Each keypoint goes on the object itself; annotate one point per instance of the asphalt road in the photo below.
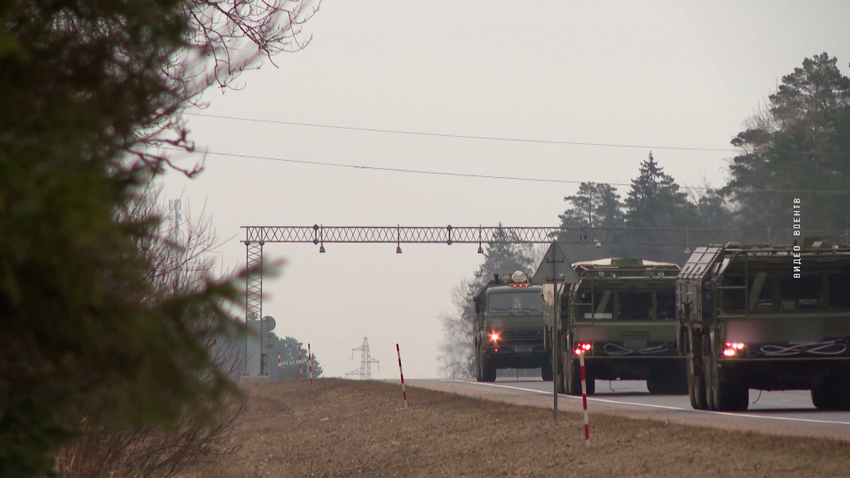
(779, 411)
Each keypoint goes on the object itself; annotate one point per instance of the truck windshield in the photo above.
(635, 305)
(529, 302)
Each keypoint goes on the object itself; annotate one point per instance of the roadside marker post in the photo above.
(310, 359)
(555, 274)
(584, 400)
(300, 365)
(401, 373)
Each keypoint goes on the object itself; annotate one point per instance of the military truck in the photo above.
(621, 316)
(765, 317)
(508, 327)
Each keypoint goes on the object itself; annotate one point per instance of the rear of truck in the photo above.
(621, 316)
(769, 318)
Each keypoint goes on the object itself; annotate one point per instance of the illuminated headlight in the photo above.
(494, 336)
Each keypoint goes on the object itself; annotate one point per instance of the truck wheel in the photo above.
(654, 384)
(728, 394)
(478, 357)
(708, 373)
(559, 385)
(696, 390)
(833, 393)
(546, 371)
(572, 377)
(823, 398)
(488, 370)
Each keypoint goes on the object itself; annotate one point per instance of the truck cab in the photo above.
(508, 327)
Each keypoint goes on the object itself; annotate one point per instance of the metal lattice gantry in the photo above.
(257, 236)
(320, 234)
(402, 234)
(366, 361)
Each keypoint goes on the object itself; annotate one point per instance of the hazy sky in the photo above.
(652, 74)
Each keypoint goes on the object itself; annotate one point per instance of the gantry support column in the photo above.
(254, 306)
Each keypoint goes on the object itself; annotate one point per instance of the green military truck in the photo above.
(621, 316)
(508, 327)
(765, 317)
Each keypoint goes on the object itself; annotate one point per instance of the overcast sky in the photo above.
(651, 74)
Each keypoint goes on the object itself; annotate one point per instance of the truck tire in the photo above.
(572, 379)
(708, 381)
(833, 393)
(725, 394)
(559, 384)
(655, 383)
(546, 371)
(696, 389)
(488, 370)
(823, 397)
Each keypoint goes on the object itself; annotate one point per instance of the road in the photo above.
(782, 412)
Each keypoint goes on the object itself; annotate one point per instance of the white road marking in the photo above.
(649, 405)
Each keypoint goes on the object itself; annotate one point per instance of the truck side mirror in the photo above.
(477, 306)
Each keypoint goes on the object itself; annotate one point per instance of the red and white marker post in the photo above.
(310, 359)
(401, 373)
(584, 399)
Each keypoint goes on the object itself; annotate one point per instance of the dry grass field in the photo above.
(343, 428)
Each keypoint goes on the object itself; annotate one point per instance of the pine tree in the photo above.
(655, 210)
(595, 217)
(800, 141)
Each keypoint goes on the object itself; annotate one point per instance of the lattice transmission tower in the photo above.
(366, 361)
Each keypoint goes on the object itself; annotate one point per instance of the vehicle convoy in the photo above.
(765, 317)
(621, 315)
(508, 327)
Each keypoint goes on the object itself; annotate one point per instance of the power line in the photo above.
(465, 175)
(465, 136)
(499, 138)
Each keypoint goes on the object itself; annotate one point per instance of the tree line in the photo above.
(797, 147)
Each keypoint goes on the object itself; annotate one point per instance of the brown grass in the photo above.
(341, 428)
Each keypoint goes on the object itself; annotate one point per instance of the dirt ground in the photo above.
(342, 428)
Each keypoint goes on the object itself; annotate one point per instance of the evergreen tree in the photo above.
(595, 216)
(655, 208)
(89, 339)
(800, 142)
(502, 255)
(712, 218)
